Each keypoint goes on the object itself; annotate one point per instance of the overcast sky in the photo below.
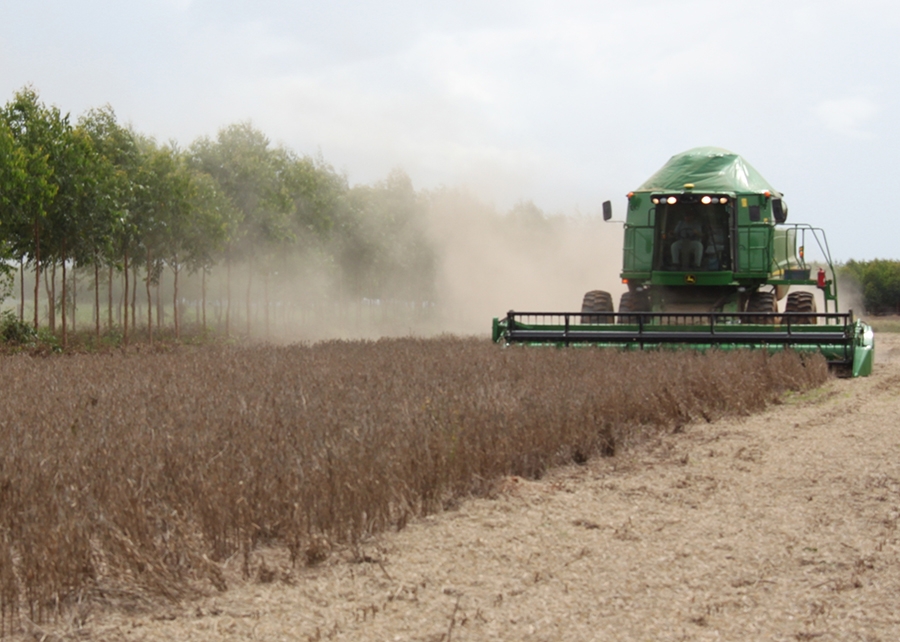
(564, 103)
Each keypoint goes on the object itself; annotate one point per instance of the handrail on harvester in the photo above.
(796, 247)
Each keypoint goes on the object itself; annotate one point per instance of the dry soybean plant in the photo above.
(138, 474)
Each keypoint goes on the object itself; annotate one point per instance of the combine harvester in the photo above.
(707, 256)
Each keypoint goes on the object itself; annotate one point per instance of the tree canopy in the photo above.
(879, 283)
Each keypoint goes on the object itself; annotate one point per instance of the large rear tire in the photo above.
(801, 302)
(596, 301)
(763, 302)
(632, 302)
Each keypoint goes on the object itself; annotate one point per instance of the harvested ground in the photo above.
(780, 526)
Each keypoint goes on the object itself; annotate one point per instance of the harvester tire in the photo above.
(801, 302)
(632, 302)
(597, 301)
(763, 302)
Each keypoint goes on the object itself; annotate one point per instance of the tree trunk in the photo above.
(65, 302)
(50, 286)
(267, 306)
(134, 279)
(160, 313)
(249, 290)
(149, 306)
(37, 271)
(125, 304)
(97, 297)
(74, 298)
(175, 318)
(21, 291)
(227, 296)
(110, 301)
(203, 298)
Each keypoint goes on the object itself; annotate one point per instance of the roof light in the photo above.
(625, 281)
(688, 186)
(706, 200)
(630, 194)
(767, 193)
(671, 200)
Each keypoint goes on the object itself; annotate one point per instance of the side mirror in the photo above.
(779, 211)
(607, 210)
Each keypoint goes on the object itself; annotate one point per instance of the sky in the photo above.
(567, 104)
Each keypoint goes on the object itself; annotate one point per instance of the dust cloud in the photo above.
(480, 264)
(523, 260)
(850, 295)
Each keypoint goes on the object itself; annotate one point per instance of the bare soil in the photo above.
(780, 526)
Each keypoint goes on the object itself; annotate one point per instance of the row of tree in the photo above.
(879, 283)
(95, 194)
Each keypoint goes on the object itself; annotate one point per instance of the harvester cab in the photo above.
(692, 232)
(707, 255)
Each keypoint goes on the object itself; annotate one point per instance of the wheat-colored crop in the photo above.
(137, 474)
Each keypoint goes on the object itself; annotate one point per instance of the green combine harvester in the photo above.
(707, 256)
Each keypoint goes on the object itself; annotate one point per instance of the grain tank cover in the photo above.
(709, 169)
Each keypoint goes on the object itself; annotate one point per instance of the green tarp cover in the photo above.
(710, 169)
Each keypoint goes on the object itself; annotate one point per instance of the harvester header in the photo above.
(707, 256)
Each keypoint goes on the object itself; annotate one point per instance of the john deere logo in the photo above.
(690, 279)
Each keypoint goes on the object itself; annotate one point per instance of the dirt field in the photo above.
(782, 526)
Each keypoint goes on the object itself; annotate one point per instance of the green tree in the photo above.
(160, 215)
(212, 223)
(76, 169)
(251, 174)
(879, 281)
(115, 166)
(315, 195)
(13, 182)
(383, 247)
(37, 131)
(59, 165)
